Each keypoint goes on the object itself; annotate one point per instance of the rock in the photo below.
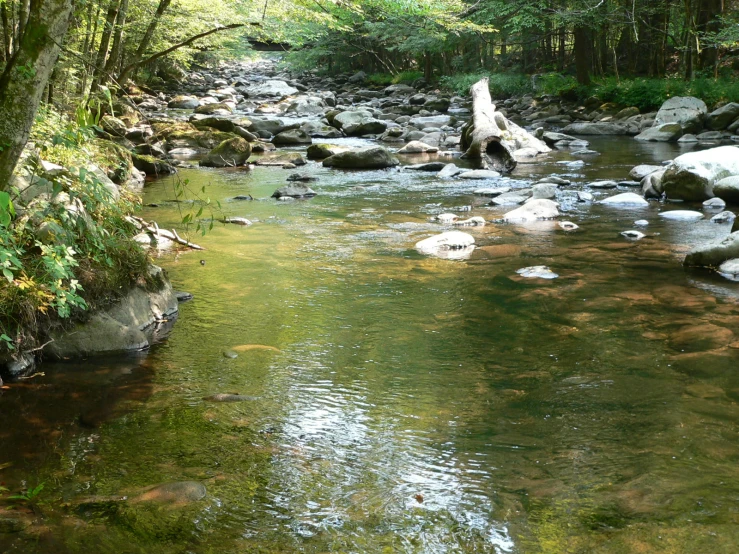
(475, 221)
(359, 123)
(720, 119)
(446, 218)
(633, 235)
(398, 90)
(627, 113)
(509, 199)
(687, 138)
(714, 203)
(724, 217)
(151, 165)
(437, 121)
(714, 254)
(450, 245)
(537, 272)
(710, 136)
(128, 325)
(373, 157)
(113, 125)
(551, 138)
(184, 102)
(479, 174)
(544, 190)
(730, 268)
(230, 397)
(667, 132)
(568, 226)
(641, 222)
(270, 126)
(271, 88)
(693, 175)
(229, 153)
(584, 153)
(583, 196)
(625, 199)
(727, 189)
(294, 190)
(437, 104)
(301, 177)
(651, 185)
(219, 108)
(316, 129)
(291, 137)
(681, 215)
(450, 170)
(307, 105)
(641, 171)
(559, 181)
(687, 111)
(417, 147)
(603, 185)
(217, 122)
(322, 151)
(183, 296)
(492, 192)
(358, 77)
(599, 128)
(281, 159)
(237, 221)
(534, 210)
(430, 166)
(180, 492)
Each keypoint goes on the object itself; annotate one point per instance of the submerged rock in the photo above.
(450, 245)
(230, 397)
(534, 210)
(568, 226)
(537, 272)
(180, 492)
(475, 221)
(479, 174)
(294, 190)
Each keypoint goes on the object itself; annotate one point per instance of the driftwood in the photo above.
(153, 229)
(482, 136)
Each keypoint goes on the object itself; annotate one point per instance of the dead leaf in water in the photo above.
(247, 347)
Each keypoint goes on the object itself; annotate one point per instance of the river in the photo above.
(398, 402)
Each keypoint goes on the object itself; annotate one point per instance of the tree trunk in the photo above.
(115, 52)
(102, 55)
(7, 32)
(21, 89)
(583, 55)
(23, 8)
(145, 41)
(481, 137)
(708, 22)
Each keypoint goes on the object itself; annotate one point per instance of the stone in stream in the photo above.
(730, 268)
(452, 245)
(294, 190)
(544, 190)
(230, 397)
(229, 153)
(681, 215)
(598, 128)
(633, 234)
(714, 204)
(714, 254)
(568, 226)
(583, 196)
(291, 137)
(183, 296)
(537, 272)
(688, 111)
(430, 166)
(641, 171)
(479, 174)
(417, 147)
(603, 185)
(446, 218)
(559, 181)
(584, 153)
(184, 102)
(667, 132)
(509, 199)
(495, 191)
(628, 199)
(724, 217)
(301, 177)
(692, 176)
(534, 210)
(359, 123)
(721, 118)
(280, 159)
(373, 157)
(475, 221)
(271, 88)
(641, 222)
(237, 221)
(449, 170)
(321, 151)
(177, 493)
(728, 189)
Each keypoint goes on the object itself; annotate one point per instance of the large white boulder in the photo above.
(452, 245)
(534, 210)
(692, 175)
(688, 111)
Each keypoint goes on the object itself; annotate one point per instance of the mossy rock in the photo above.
(197, 139)
(114, 159)
(214, 109)
(151, 165)
(162, 129)
(231, 152)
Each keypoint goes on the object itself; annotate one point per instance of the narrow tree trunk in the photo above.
(115, 52)
(583, 55)
(145, 41)
(7, 32)
(23, 8)
(102, 55)
(21, 91)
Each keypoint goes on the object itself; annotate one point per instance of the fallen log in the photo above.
(491, 138)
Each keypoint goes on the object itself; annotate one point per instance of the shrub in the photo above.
(380, 79)
(502, 85)
(407, 77)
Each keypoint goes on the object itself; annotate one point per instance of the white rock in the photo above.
(537, 272)
(641, 223)
(540, 208)
(452, 245)
(724, 217)
(682, 215)
(479, 174)
(625, 199)
(714, 204)
(730, 267)
(633, 235)
(491, 191)
(568, 226)
(417, 147)
(446, 218)
(475, 221)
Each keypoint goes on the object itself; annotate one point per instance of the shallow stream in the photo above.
(407, 403)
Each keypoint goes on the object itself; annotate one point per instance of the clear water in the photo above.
(412, 404)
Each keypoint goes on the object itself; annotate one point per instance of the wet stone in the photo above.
(537, 272)
(181, 492)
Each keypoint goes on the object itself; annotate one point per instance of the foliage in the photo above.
(29, 494)
(650, 94)
(501, 85)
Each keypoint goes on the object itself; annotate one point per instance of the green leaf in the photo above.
(8, 275)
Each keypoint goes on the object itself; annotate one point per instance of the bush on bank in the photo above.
(65, 235)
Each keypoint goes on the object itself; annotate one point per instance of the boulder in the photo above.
(151, 165)
(291, 137)
(666, 132)
(270, 88)
(544, 190)
(681, 215)
(720, 119)
(625, 199)
(714, 254)
(219, 123)
(308, 105)
(453, 245)
(322, 151)
(230, 153)
(479, 174)
(533, 210)
(184, 102)
(219, 108)
(687, 111)
(692, 175)
(373, 157)
(537, 272)
(417, 147)
(359, 123)
(640, 171)
(294, 190)
(598, 128)
(651, 185)
(281, 159)
(728, 189)
(271, 126)
(450, 170)
(317, 129)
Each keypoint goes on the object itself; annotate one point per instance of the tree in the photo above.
(24, 79)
